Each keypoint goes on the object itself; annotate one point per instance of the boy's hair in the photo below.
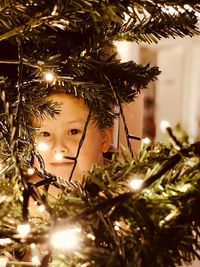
(96, 106)
(94, 117)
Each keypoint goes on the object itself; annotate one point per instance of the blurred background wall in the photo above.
(174, 98)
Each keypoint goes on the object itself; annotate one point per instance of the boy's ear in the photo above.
(106, 140)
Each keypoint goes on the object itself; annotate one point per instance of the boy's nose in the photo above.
(61, 150)
(59, 145)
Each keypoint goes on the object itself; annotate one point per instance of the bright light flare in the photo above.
(49, 76)
(42, 147)
(164, 125)
(146, 141)
(58, 156)
(66, 239)
(91, 236)
(23, 229)
(117, 226)
(30, 171)
(136, 184)
(41, 208)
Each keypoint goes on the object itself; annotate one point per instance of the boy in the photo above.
(58, 139)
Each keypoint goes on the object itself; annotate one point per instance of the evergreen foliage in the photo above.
(157, 225)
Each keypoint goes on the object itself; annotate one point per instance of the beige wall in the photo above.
(134, 111)
(134, 116)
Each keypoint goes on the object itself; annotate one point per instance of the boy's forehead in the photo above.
(71, 110)
(67, 98)
(70, 104)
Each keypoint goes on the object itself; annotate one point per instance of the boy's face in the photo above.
(59, 137)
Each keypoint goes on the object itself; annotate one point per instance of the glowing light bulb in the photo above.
(30, 171)
(117, 226)
(36, 260)
(91, 236)
(42, 147)
(58, 156)
(146, 141)
(23, 229)
(163, 125)
(49, 76)
(41, 208)
(136, 184)
(66, 239)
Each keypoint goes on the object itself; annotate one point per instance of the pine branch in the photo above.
(144, 23)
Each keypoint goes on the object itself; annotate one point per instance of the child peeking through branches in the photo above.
(71, 142)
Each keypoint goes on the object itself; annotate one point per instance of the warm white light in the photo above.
(146, 141)
(36, 260)
(136, 184)
(163, 125)
(91, 236)
(42, 147)
(23, 229)
(117, 226)
(58, 156)
(41, 208)
(49, 76)
(5, 241)
(67, 239)
(30, 171)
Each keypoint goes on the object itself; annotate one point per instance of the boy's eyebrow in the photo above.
(70, 122)
(76, 120)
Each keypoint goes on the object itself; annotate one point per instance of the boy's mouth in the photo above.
(62, 163)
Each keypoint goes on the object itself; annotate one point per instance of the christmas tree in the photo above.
(134, 211)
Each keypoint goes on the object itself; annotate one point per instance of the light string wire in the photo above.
(122, 114)
(80, 143)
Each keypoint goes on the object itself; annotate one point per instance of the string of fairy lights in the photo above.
(73, 235)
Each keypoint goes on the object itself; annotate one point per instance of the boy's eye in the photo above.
(44, 134)
(73, 131)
